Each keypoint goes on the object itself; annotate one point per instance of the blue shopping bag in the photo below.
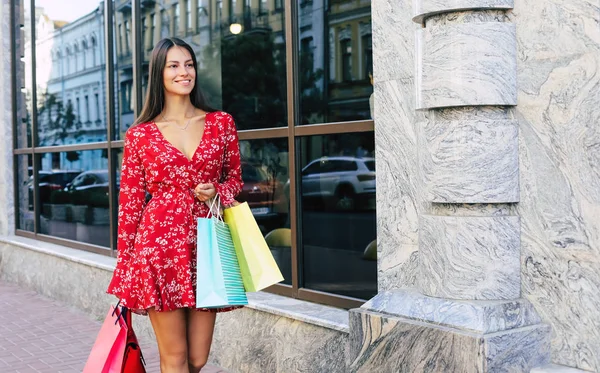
(219, 281)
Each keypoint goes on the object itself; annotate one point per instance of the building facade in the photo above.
(479, 249)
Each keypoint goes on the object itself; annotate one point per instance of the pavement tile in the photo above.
(34, 340)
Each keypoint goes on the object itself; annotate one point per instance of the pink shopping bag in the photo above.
(109, 349)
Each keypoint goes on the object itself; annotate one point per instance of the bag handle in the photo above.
(216, 199)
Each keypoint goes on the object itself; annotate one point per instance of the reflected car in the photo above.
(263, 193)
(50, 181)
(341, 181)
(90, 188)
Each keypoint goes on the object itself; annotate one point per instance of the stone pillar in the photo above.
(7, 224)
(462, 309)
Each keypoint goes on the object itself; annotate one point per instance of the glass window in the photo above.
(254, 92)
(266, 189)
(176, 25)
(25, 84)
(58, 121)
(335, 62)
(25, 214)
(338, 214)
(188, 16)
(203, 17)
(74, 196)
(123, 68)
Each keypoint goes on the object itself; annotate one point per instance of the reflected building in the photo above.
(70, 84)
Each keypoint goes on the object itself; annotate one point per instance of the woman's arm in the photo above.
(231, 176)
(132, 193)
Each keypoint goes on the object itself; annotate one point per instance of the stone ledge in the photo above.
(312, 313)
(554, 368)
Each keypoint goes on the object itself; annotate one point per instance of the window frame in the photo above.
(294, 131)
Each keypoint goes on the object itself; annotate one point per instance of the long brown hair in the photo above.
(155, 95)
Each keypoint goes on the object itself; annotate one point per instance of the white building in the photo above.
(70, 67)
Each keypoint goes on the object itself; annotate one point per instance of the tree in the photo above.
(57, 121)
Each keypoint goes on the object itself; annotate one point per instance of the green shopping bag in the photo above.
(218, 278)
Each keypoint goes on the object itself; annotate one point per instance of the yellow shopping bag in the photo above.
(258, 267)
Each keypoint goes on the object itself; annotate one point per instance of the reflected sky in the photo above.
(67, 10)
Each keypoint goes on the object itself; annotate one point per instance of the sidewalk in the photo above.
(38, 334)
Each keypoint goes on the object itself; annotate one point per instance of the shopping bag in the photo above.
(108, 350)
(218, 278)
(133, 360)
(257, 265)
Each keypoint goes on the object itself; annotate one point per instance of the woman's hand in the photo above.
(204, 192)
(232, 204)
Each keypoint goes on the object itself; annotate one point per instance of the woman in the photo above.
(183, 153)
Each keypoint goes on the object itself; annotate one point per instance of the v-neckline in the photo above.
(160, 134)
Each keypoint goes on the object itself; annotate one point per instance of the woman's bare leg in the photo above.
(200, 327)
(170, 330)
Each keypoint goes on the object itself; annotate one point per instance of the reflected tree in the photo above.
(57, 122)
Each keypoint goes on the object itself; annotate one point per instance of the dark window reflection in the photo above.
(70, 70)
(240, 51)
(25, 214)
(123, 67)
(265, 175)
(74, 196)
(337, 185)
(25, 84)
(335, 61)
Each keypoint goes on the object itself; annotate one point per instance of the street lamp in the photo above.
(235, 28)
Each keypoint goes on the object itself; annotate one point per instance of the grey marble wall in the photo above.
(395, 138)
(558, 112)
(251, 341)
(425, 8)
(387, 344)
(463, 64)
(559, 118)
(6, 172)
(473, 258)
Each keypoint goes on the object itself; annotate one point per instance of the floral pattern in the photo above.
(156, 263)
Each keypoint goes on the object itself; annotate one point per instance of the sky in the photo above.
(67, 10)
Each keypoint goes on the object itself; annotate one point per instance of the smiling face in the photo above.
(179, 75)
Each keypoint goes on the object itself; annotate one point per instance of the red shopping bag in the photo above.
(116, 349)
(109, 349)
(133, 360)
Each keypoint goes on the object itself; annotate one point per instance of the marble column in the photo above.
(460, 308)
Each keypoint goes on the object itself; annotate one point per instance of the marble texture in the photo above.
(382, 343)
(553, 368)
(467, 64)
(559, 116)
(470, 161)
(312, 313)
(397, 216)
(248, 341)
(427, 8)
(474, 316)
(6, 145)
(474, 258)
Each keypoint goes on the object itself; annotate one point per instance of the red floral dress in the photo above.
(156, 264)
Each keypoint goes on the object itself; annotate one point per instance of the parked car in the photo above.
(90, 188)
(263, 193)
(50, 181)
(340, 181)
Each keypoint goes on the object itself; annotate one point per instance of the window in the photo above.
(368, 55)
(176, 19)
(188, 16)
(87, 108)
(311, 190)
(346, 51)
(202, 14)
(263, 7)
(97, 96)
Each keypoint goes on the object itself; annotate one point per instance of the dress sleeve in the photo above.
(231, 176)
(132, 195)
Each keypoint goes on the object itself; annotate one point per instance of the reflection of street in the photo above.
(334, 243)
